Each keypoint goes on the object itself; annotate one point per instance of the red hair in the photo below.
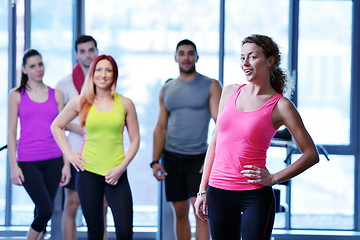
(88, 93)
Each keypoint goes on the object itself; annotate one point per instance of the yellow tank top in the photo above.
(103, 139)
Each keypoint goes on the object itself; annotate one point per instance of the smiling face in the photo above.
(34, 68)
(103, 75)
(186, 57)
(254, 63)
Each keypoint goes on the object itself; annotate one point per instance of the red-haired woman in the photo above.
(102, 162)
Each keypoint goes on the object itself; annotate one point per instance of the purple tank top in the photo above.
(36, 142)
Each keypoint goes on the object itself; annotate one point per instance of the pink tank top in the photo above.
(243, 139)
(36, 143)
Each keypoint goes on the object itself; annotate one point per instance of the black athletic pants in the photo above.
(246, 214)
(91, 188)
(42, 180)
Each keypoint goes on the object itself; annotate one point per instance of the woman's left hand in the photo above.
(114, 175)
(258, 175)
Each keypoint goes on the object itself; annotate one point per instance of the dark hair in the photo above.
(24, 77)
(186, 42)
(278, 77)
(84, 39)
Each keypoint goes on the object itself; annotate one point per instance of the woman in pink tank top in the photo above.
(35, 160)
(235, 194)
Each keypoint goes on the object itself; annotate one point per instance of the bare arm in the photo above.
(72, 127)
(132, 126)
(292, 120)
(215, 94)
(214, 98)
(286, 114)
(159, 138)
(70, 111)
(209, 160)
(65, 172)
(210, 154)
(201, 202)
(59, 100)
(13, 110)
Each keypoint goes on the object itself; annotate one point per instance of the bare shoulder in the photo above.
(215, 83)
(73, 104)
(285, 104)
(127, 102)
(14, 92)
(285, 112)
(226, 94)
(125, 99)
(229, 89)
(75, 100)
(14, 95)
(215, 87)
(58, 92)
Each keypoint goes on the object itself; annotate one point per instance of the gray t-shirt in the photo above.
(188, 123)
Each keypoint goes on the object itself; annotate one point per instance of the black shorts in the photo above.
(72, 183)
(184, 177)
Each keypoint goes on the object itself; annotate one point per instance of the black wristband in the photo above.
(153, 162)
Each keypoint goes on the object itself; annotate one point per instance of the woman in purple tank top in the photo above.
(235, 193)
(35, 159)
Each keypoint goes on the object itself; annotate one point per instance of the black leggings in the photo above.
(91, 188)
(246, 215)
(42, 179)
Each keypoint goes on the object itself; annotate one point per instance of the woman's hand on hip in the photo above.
(114, 175)
(258, 175)
(76, 160)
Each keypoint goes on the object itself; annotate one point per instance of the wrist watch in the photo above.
(153, 162)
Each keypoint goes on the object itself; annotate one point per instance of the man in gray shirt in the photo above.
(187, 104)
